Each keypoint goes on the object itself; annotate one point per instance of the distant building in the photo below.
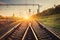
(13, 15)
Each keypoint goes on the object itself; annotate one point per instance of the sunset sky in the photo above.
(45, 4)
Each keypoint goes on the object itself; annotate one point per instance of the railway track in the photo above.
(21, 32)
(15, 33)
(5, 26)
(30, 31)
(42, 33)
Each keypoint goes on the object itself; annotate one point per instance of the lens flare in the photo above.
(26, 17)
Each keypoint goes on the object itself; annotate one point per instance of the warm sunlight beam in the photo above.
(26, 17)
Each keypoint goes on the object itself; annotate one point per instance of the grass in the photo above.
(52, 21)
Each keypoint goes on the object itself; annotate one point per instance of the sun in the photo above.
(26, 17)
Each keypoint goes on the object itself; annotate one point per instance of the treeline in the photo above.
(50, 11)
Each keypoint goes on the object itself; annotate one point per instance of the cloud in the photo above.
(3, 3)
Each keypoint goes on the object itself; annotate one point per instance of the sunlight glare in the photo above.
(26, 17)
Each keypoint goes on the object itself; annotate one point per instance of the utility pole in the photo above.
(38, 9)
(13, 15)
(29, 12)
